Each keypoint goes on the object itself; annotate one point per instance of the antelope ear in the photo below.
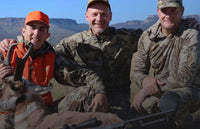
(22, 86)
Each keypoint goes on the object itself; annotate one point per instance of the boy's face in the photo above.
(35, 32)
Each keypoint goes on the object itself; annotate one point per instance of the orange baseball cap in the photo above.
(37, 16)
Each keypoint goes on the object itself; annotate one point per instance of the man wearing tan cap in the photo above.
(105, 50)
(171, 50)
(39, 67)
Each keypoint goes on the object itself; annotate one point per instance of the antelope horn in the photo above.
(21, 63)
(8, 56)
(25, 57)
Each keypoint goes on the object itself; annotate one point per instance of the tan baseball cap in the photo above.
(91, 2)
(169, 3)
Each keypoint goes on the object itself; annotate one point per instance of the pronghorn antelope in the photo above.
(12, 86)
(18, 97)
(17, 94)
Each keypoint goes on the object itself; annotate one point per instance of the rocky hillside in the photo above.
(60, 28)
(135, 24)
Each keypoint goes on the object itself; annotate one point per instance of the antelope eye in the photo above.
(14, 87)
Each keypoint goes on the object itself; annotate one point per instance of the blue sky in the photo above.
(123, 10)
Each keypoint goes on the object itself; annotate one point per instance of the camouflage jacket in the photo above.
(69, 73)
(173, 58)
(109, 56)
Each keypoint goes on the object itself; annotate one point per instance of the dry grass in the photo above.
(59, 90)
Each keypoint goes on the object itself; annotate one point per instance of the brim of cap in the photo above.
(37, 21)
(168, 5)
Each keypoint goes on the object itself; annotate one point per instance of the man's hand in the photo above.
(192, 22)
(151, 86)
(99, 103)
(6, 43)
(4, 70)
(138, 99)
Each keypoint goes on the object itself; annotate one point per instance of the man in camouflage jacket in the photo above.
(165, 73)
(104, 50)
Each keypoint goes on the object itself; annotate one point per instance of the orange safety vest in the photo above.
(39, 71)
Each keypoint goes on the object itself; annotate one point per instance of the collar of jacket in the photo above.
(155, 31)
(46, 48)
(105, 35)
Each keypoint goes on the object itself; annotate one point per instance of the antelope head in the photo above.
(13, 86)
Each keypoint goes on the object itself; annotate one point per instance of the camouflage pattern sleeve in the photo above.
(67, 46)
(142, 63)
(68, 72)
(62, 48)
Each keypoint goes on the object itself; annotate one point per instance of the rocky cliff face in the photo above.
(135, 24)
